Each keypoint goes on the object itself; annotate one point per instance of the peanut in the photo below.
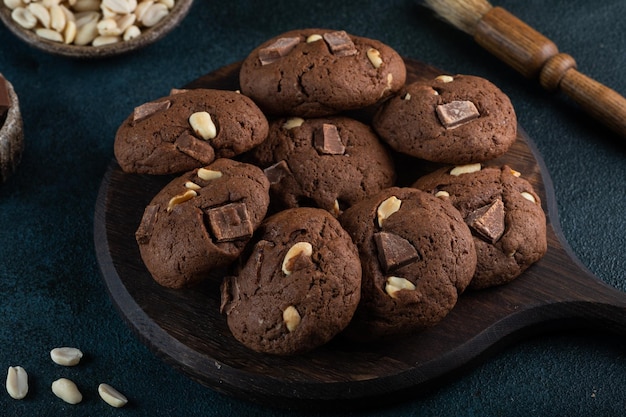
(17, 382)
(67, 390)
(112, 396)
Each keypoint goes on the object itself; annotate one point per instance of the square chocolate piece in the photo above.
(327, 140)
(340, 43)
(149, 218)
(230, 222)
(488, 221)
(275, 173)
(200, 150)
(457, 113)
(276, 50)
(394, 251)
(148, 109)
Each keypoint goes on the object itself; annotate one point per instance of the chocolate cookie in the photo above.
(188, 129)
(320, 72)
(299, 287)
(451, 119)
(503, 212)
(417, 257)
(330, 163)
(201, 221)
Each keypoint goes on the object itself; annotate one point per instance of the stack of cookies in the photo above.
(280, 183)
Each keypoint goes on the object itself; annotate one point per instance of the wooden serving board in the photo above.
(185, 328)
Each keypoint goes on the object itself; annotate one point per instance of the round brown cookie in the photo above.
(188, 129)
(299, 286)
(503, 212)
(417, 257)
(201, 221)
(451, 119)
(320, 72)
(330, 163)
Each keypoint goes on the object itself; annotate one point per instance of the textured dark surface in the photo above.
(51, 289)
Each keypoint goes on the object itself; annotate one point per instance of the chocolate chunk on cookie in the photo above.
(201, 221)
(298, 287)
(417, 257)
(503, 212)
(330, 163)
(320, 72)
(451, 119)
(187, 130)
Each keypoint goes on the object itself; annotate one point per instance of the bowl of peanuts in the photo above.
(91, 28)
(11, 130)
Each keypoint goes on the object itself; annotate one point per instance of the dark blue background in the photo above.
(51, 291)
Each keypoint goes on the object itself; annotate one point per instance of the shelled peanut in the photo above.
(88, 22)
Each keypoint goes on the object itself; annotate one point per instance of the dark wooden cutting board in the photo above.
(186, 330)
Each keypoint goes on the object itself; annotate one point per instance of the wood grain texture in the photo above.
(535, 56)
(185, 329)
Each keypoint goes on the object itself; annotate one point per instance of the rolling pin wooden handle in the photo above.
(603, 103)
(533, 55)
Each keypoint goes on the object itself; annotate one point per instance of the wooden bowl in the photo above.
(11, 137)
(147, 36)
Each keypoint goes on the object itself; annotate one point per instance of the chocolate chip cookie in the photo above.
(451, 119)
(202, 221)
(330, 163)
(503, 212)
(320, 72)
(417, 257)
(187, 130)
(299, 286)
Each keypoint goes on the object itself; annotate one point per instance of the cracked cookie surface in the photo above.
(320, 72)
(298, 287)
(504, 214)
(450, 119)
(202, 221)
(160, 136)
(330, 162)
(417, 257)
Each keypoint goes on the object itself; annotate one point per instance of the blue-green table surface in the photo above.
(51, 290)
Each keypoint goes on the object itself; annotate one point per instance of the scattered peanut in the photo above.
(528, 196)
(17, 382)
(293, 122)
(465, 169)
(67, 390)
(66, 356)
(291, 318)
(387, 208)
(313, 38)
(336, 211)
(192, 185)
(395, 284)
(112, 396)
(300, 248)
(180, 198)
(444, 78)
(374, 56)
(208, 174)
(203, 125)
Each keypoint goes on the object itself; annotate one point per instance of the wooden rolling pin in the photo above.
(534, 56)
